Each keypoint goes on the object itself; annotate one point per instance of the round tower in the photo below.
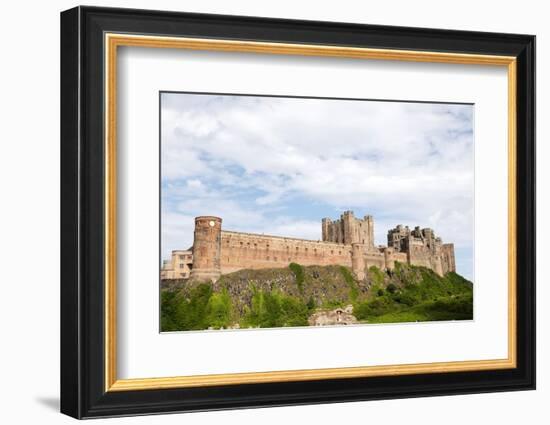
(206, 248)
(389, 260)
(358, 260)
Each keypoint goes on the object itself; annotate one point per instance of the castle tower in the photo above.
(326, 225)
(348, 221)
(389, 259)
(369, 232)
(207, 248)
(348, 230)
(358, 260)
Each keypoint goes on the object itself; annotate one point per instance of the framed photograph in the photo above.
(261, 212)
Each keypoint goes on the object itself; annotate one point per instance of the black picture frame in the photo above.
(83, 392)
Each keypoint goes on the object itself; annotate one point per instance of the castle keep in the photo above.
(348, 241)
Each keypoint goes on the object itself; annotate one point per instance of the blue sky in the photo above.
(278, 165)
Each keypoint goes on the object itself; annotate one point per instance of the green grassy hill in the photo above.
(288, 296)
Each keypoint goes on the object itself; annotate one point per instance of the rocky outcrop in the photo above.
(338, 316)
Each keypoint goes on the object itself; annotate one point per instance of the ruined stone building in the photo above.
(348, 241)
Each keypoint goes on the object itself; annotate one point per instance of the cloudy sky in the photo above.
(278, 165)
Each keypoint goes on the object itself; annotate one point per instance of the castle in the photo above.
(348, 241)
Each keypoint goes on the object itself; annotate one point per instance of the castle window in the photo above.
(181, 257)
(181, 266)
(255, 245)
(332, 251)
(268, 258)
(339, 252)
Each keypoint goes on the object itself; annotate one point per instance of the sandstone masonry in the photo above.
(348, 241)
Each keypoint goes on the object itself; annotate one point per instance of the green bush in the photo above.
(198, 309)
(299, 274)
(348, 277)
(391, 288)
(376, 275)
(424, 296)
(377, 307)
(405, 298)
(218, 310)
(270, 309)
(168, 306)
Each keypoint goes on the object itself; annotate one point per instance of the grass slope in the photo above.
(288, 296)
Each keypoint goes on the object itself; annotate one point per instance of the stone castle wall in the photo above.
(255, 251)
(348, 242)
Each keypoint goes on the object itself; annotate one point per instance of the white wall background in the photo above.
(29, 216)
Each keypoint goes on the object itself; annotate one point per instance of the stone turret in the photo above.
(207, 249)
(368, 221)
(348, 222)
(358, 260)
(326, 226)
(389, 260)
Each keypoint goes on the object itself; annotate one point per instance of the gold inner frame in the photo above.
(113, 41)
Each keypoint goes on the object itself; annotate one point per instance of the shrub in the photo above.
(348, 277)
(376, 275)
(391, 288)
(218, 313)
(299, 274)
(199, 308)
(269, 309)
(191, 312)
(455, 279)
(405, 298)
(168, 305)
(376, 307)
